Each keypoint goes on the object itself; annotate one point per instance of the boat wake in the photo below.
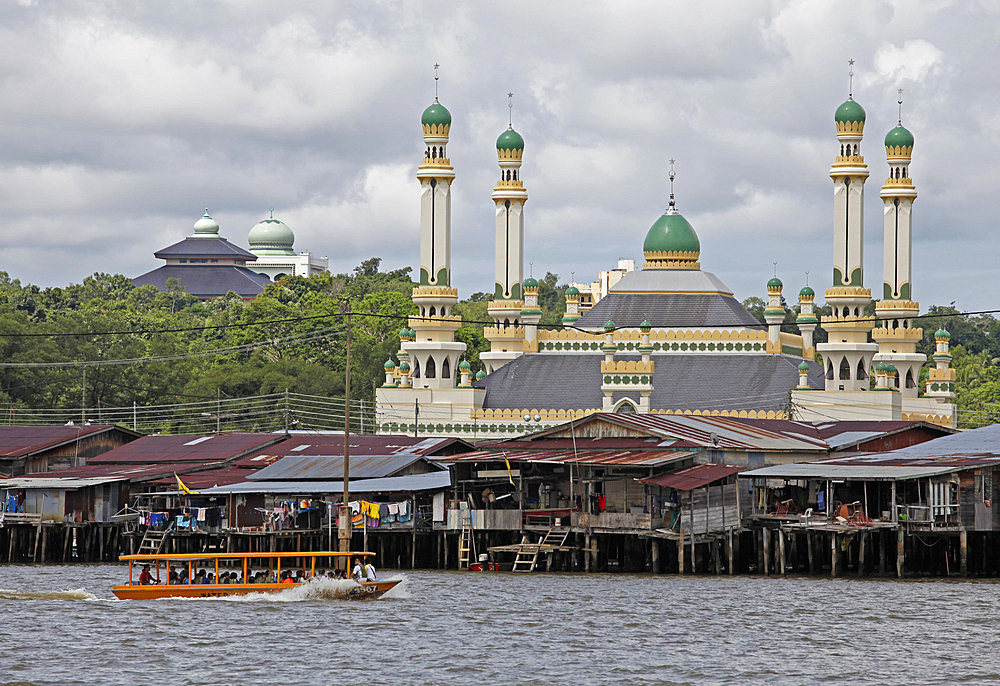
(70, 594)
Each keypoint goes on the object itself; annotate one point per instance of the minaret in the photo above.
(774, 314)
(507, 337)
(433, 352)
(806, 320)
(848, 354)
(941, 378)
(896, 337)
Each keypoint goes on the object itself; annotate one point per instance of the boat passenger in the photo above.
(357, 573)
(183, 578)
(286, 578)
(146, 579)
(369, 571)
(210, 578)
(199, 577)
(173, 576)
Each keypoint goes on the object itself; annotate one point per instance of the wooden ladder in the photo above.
(152, 542)
(464, 547)
(527, 556)
(555, 537)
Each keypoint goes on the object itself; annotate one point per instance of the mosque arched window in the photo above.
(845, 370)
(446, 369)
(430, 369)
(416, 369)
(910, 383)
(862, 374)
(829, 370)
(855, 148)
(432, 312)
(515, 175)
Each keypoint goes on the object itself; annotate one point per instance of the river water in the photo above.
(62, 625)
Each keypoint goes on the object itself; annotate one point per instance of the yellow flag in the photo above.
(510, 475)
(182, 487)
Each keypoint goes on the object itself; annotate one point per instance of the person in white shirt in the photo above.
(358, 572)
(369, 571)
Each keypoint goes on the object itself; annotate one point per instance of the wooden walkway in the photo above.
(527, 553)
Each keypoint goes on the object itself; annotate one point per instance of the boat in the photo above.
(247, 563)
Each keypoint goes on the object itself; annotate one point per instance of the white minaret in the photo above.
(433, 352)
(848, 353)
(509, 195)
(896, 337)
(806, 320)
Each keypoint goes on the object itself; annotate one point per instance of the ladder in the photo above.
(527, 556)
(555, 537)
(464, 547)
(152, 542)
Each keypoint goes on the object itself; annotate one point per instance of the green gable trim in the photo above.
(904, 292)
(442, 278)
(838, 278)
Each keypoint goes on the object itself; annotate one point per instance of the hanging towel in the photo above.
(201, 513)
(393, 509)
(383, 511)
(355, 506)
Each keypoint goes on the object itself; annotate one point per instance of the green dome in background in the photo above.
(271, 237)
(774, 282)
(803, 366)
(389, 364)
(464, 365)
(404, 367)
(610, 326)
(404, 332)
(572, 290)
(850, 111)
(480, 375)
(645, 325)
(531, 282)
(942, 333)
(671, 233)
(881, 367)
(899, 136)
(510, 140)
(436, 114)
(806, 290)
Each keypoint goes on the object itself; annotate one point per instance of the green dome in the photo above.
(572, 290)
(890, 368)
(899, 136)
(404, 332)
(531, 282)
(436, 114)
(404, 367)
(389, 364)
(881, 367)
(850, 111)
(464, 365)
(806, 291)
(645, 324)
(610, 326)
(942, 333)
(671, 233)
(510, 140)
(206, 227)
(480, 375)
(803, 366)
(774, 282)
(271, 237)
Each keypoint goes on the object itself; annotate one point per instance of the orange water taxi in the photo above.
(195, 568)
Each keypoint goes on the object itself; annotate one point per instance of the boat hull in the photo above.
(364, 591)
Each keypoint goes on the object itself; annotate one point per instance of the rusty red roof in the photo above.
(20, 440)
(364, 444)
(131, 472)
(638, 458)
(692, 477)
(149, 449)
(208, 478)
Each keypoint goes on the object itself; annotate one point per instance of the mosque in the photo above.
(209, 266)
(669, 338)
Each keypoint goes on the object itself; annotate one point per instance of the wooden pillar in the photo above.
(900, 552)
(45, 540)
(680, 552)
(882, 540)
(413, 543)
(963, 552)
(766, 534)
(833, 553)
(781, 552)
(862, 537)
(729, 553)
(654, 554)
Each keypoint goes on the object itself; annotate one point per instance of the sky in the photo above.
(120, 122)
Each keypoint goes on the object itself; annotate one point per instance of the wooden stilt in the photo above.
(833, 553)
(810, 544)
(963, 552)
(729, 553)
(654, 554)
(766, 533)
(680, 553)
(900, 551)
(782, 562)
(862, 537)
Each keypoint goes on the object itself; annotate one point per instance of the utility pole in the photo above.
(83, 398)
(345, 528)
(416, 414)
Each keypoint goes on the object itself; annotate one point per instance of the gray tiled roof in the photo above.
(207, 281)
(205, 247)
(668, 310)
(680, 382)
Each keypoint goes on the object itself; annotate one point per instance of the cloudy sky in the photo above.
(120, 122)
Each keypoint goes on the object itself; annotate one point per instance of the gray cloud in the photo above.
(120, 122)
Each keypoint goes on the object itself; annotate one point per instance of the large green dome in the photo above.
(436, 114)
(531, 282)
(850, 111)
(807, 291)
(510, 140)
(572, 290)
(271, 237)
(899, 136)
(671, 233)
(774, 282)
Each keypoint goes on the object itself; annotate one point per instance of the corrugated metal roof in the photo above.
(333, 444)
(48, 483)
(150, 449)
(332, 466)
(431, 481)
(827, 470)
(692, 477)
(208, 478)
(19, 440)
(638, 458)
(132, 472)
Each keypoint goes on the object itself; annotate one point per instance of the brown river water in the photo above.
(62, 625)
